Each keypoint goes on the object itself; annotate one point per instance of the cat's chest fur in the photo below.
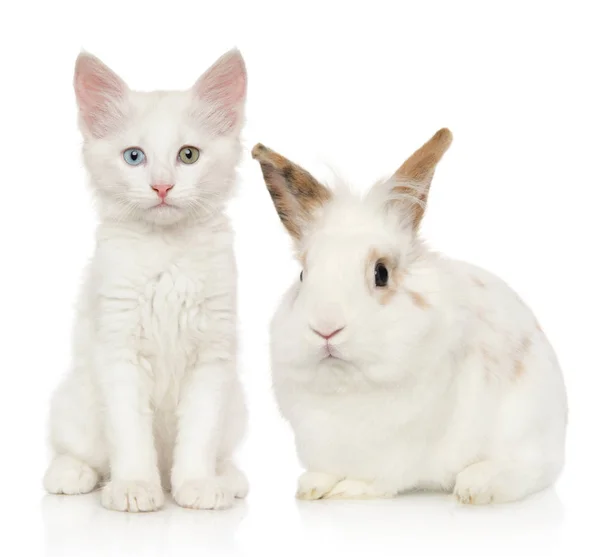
(172, 314)
(161, 288)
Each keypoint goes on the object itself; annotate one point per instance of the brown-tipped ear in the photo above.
(414, 176)
(295, 193)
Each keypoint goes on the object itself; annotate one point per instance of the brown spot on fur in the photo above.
(295, 193)
(519, 366)
(519, 369)
(490, 362)
(488, 356)
(415, 175)
(478, 282)
(384, 294)
(485, 319)
(302, 259)
(418, 300)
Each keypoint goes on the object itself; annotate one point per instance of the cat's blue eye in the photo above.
(134, 156)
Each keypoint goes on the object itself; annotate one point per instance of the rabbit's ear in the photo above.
(413, 178)
(295, 193)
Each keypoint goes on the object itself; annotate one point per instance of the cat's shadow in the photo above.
(79, 525)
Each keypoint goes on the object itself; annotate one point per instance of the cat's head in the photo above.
(161, 157)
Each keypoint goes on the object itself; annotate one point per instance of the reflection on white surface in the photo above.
(418, 524)
(429, 523)
(79, 525)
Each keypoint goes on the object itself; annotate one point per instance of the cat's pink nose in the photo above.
(162, 189)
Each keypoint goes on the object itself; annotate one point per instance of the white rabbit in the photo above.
(399, 369)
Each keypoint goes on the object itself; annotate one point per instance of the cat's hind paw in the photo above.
(70, 476)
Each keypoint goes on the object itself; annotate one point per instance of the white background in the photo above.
(356, 88)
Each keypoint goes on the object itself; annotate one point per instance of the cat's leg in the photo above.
(80, 456)
(492, 481)
(165, 431)
(202, 417)
(235, 421)
(128, 418)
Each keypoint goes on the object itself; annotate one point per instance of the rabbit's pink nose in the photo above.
(328, 335)
(162, 189)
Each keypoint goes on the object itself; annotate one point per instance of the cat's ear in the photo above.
(101, 96)
(411, 182)
(222, 92)
(295, 193)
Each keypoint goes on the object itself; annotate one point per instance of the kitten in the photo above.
(153, 400)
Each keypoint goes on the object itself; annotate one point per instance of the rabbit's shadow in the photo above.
(428, 523)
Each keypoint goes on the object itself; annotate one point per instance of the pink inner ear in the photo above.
(98, 91)
(223, 87)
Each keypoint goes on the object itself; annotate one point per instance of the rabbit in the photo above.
(399, 369)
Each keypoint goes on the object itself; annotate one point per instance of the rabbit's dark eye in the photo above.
(381, 275)
(301, 275)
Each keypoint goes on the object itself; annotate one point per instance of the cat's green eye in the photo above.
(189, 155)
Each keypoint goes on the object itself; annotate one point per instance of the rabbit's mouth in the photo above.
(332, 353)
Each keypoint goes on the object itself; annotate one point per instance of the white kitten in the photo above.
(399, 369)
(153, 393)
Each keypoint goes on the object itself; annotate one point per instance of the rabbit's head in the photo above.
(366, 296)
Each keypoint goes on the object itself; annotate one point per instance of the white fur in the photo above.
(153, 400)
(464, 394)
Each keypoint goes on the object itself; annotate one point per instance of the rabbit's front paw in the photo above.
(315, 485)
(355, 489)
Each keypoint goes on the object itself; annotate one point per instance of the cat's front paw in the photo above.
(206, 493)
(315, 485)
(133, 496)
(232, 476)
